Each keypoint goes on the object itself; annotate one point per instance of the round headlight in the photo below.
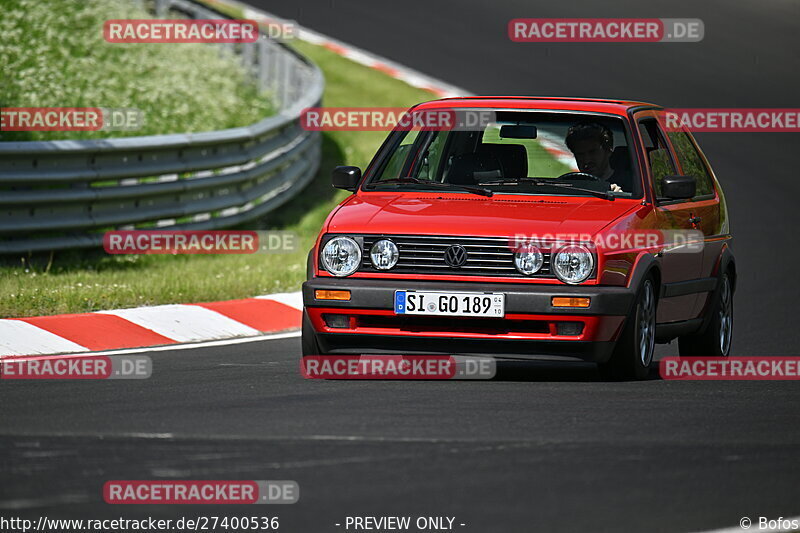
(572, 263)
(341, 256)
(384, 254)
(528, 260)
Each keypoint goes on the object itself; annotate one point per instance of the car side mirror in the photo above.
(679, 187)
(346, 178)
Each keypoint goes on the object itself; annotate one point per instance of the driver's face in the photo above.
(591, 157)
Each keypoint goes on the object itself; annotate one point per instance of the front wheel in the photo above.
(633, 353)
(715, 340)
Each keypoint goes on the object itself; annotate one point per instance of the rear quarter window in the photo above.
(691, 162)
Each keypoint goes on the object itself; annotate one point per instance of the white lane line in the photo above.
(753, 525)
(292, 299)
(184, 323)
(171, 347)
(20, 338)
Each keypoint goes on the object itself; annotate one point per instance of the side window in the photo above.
(395, 164)
(691, 162)
(429, 168)
(658, 156)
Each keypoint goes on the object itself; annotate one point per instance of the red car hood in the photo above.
(498, 216)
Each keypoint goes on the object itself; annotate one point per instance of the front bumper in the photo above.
(531, 327)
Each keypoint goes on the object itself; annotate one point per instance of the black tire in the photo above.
(309, 343)
(633, 352)
(715, 340)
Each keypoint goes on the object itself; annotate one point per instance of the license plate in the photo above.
(449, 303)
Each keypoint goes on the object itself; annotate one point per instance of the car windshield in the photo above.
(513, 152)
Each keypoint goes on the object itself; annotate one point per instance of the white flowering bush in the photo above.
(52, 54)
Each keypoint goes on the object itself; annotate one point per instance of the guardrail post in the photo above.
(263, 64)
(274, 70)
(248, 57)
(284, 80)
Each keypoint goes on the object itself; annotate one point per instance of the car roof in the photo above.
(595, 105)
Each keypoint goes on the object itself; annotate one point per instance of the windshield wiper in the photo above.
(606, 195)
(474, 190)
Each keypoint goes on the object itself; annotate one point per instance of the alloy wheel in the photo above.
(725, 316)
(646, 320)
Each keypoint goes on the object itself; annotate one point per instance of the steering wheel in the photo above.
(578, 176)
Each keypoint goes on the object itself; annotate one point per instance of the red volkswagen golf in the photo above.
(570, 227)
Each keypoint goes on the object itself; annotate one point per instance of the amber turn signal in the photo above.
(564, 301)
(322, 294)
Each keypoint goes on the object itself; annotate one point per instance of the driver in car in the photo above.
(592, 145)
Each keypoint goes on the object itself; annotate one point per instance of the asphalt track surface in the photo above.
(544, 447)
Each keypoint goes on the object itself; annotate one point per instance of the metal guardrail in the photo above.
(56, 195)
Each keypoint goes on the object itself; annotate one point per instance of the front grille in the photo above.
(425, 254)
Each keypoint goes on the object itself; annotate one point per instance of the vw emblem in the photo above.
(455, 256)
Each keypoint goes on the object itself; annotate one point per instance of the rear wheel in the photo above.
(715, 340)
(633, 352)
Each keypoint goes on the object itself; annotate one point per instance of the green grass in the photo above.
(52, 54)
(81, 281)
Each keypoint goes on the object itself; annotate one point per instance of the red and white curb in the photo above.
(150, 326)
(395, 70)
(362, 57)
